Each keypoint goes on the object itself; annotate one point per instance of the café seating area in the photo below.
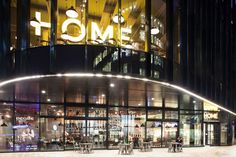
(175, 147)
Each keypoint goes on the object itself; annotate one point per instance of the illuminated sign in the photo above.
(95, 30)
(24, 118)
(211, 116)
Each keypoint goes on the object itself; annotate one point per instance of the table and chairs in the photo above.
(84, 147)
(175, 147)
(145, 146)
(126, 148)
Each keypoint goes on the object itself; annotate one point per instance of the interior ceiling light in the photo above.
(34, 22)
(43, 91)
(71, 12)
(155, 31)
(116, 19)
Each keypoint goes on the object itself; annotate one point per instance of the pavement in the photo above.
(207, 151)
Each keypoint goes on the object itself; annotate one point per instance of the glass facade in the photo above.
(119, 38)
(45, 120)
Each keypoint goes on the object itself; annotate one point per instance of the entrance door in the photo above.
(212, 133)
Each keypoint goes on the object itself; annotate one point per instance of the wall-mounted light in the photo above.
(34, 22)
(116, 18)
(71, 12)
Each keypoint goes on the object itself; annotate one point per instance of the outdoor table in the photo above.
(147, 146)
(175, 145)
(86, 147)
(124, 148)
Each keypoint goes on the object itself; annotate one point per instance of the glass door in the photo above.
(212, 133)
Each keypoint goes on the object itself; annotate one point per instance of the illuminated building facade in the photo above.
(114, 71)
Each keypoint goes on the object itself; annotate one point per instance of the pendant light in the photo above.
(71, 12)
(155, 31)
(4, 124)
(116, 19)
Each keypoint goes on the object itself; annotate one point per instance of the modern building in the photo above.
(116, 71)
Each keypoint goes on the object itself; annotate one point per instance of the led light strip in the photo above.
(3, 83)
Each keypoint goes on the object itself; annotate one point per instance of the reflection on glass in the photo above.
(75, 111)
(154, 133)
(169, 132)
(52, 110)
(171, 101)
(134, 24)
(97, 96)
(6, 132)
(154, 99)
(117, 123)
(26, 127)
(158, 25)
(136, 98)
(171, 114)
(187, 102)
(74, 132)
(51, 133)
(136, 124)
(154, 114)
(190, 127)
(40, 14)
(97, 112)
(71, 29)
(97, 132)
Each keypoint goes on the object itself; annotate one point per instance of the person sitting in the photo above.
(179, 142)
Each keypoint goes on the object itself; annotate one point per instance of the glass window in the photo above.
(136, 98)
(52, 110)
(74, 132)
(103, 27)
(136, 123)
(117, 126)
(71, 27)
(158, 27)
(97, 132)
(154, 133)
(13, 26)
(154, 114)
(39, 23)
(51, 133)
(171, 114)
(97, 112)
(187, 102)
(117, 94)
(133, 34)
(75, 111)
(97, 96)
(169, 133)
(6, 132)
(190, 127)
(171, 101)
(26, 127)
(154, 99)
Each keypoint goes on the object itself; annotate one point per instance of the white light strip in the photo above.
(3, 83)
